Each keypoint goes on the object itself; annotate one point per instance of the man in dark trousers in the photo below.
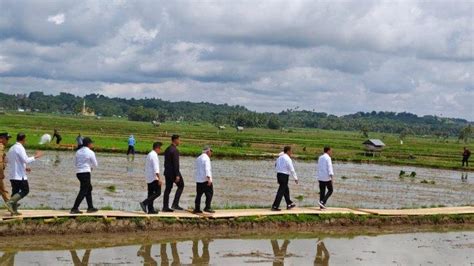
(153, 179)
(465, 157)
(172, 175)
(284, 168)
(57, 136)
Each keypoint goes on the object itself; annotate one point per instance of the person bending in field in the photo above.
(465, 157)
(284, 167)
(17, 160)
(57, 136)
(131, 148)
(325, 177)
(85, 161)
(153, 179)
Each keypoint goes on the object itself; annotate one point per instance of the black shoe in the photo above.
(143, 206)
(92, 210)
(153, 212)
(209, 210)
(75, 211)
(291, 206)
(177, 208)
(167, 210)
(275, 209)
(197, 211)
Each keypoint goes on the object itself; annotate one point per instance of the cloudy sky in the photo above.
(332, 56)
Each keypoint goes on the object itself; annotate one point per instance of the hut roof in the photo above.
(374, 142)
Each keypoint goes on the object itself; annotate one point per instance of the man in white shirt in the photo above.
(17, 160)
(153, 179)
(284, 167)
(325, 176)
(203, 177)
(85, 161)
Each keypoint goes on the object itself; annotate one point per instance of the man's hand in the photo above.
(160, 182)
(209, 183)
(177, 179)
(28, 170)
(38, 154)
(296, 181)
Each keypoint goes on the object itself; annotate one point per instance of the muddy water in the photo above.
(453, 248)
(245, 182)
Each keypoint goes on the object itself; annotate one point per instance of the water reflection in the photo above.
(174, 253)
(279, 252)
(464, 177)
(80, 262)
(145, 253)
(8, 258)
(322, 255)
(205, 258)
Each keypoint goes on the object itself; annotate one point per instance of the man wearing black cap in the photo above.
(85, 162)
(172, 175)
(17, 160)
(4, 137)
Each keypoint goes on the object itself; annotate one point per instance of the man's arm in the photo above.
(291, 168)
(24, 157)
(330, 169)
(156, 169)
(93, 159)
(175, 157)
(208, 171)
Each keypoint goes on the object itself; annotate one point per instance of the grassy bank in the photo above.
(324, 223)
(110, 135)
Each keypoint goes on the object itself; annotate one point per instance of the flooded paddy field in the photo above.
(427, 248)
(120, 184)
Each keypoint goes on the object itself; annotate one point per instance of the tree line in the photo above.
(152, 109)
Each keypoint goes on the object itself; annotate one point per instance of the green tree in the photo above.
(142, 114)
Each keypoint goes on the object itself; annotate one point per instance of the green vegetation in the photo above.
(378, 177)
(107, 208)
(110, 135)
(344, 177)
(299, 197)
(111, 188)
(431, 182)
(413, 174)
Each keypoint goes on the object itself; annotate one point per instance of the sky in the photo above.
(337, 57)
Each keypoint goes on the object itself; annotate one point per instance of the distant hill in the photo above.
(222, 114)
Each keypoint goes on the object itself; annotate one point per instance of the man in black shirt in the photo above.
(172, 175)
(465, 157)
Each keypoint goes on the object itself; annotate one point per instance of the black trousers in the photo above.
(131, 150)
(154, 191)
(323, 196)
(203, 188)
(20, 187)
(283, 190)
(85, 190)
(169, 186)
(465, 160)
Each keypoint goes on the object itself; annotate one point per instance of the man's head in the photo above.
(465, 148)
(21, 137)
(175, 140)
(87, 142)
(328, 150)
(4, 137)
(207, 150)
(157, 146)
(287, 150)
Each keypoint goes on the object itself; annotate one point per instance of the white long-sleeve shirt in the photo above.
(202, 169)
(152, 166)
(324, 170)
(284, 165)
(17, 160)
(85, 160)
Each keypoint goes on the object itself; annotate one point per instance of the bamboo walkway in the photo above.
(229, 214)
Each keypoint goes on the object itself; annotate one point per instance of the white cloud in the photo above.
(57, 19)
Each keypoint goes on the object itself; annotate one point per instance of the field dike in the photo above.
(324, 223)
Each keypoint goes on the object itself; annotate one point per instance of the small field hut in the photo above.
(373, 146)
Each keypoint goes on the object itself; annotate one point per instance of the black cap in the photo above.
(5, 135)
(86, 141)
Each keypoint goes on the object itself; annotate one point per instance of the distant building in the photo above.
(86, 111)
(373, 146)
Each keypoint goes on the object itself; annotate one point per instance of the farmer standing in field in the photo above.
(4, 137)
(57, 136)
(465, 157)
(131, 147)
(79, 140)
(203, 176)
(284, 167)
(85, 161)
(153, 179)
(325, 177)
(172, 175)
(17, 160)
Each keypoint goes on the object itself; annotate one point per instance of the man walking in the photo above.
(85, 161)
(172, 175)
(153, 179)
(465, 157)
(17, 160)
(284, 167)
(4, 137)
(203, 176)
(131, 148)
(325, 177)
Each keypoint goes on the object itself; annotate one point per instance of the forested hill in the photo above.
(223, 114)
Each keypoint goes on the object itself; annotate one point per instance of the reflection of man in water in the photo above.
(205, 258)
(174, 253)
(145, 252)
(85, 258)
(8, 258)
(322, 254)
(279, 253)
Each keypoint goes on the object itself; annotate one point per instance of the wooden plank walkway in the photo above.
(228, 214)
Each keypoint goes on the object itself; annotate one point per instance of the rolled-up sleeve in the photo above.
(24, 157)
(156, 165)
(207, 167)
(330, 169)
(291, 168)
